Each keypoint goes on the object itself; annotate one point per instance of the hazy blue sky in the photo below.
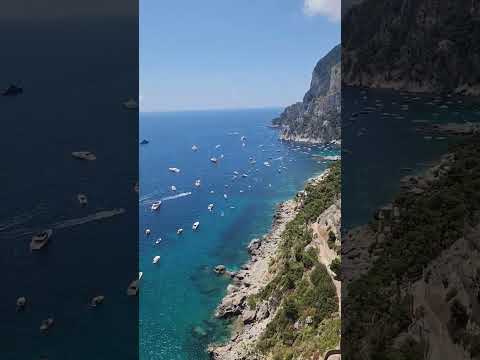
(231, 53)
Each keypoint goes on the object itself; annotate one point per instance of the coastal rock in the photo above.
(220, 269)
(231, 305)
(254, 246)
(248, 316)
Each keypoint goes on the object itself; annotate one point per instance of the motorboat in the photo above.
(156, 205)
(244, 175)
(218, 146)
(210, 207)
(21, 302)
(173, 188)
(197, 182)
(225, 196)
(130, 104)
(158, 241)
(174, 169)
(46, 324)
(243, 138)
(144, 142)
(82, 199)
(179, 231)
(156, 259)
(140, 274)
(147, 232)
(97, 300)
(236, 172)
(212, 192)
(195, 225)
(132, 289)
(266, 163)
(40, 240)
(12, 90)
(84, 155)
(214, 160)
(194, 147)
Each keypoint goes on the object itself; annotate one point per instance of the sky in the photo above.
(231, 54)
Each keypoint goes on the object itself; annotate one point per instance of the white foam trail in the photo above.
(177, 196)
(83, 220)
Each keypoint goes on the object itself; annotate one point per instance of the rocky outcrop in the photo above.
(316, 119)
(413, 45)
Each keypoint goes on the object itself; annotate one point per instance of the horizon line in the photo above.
(213, 109)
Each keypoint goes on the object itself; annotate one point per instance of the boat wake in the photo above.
(177, 196)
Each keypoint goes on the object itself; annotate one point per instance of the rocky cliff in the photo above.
(316, 119)
(413, 45)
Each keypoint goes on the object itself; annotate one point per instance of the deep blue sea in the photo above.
(380, 144)
(180, 293)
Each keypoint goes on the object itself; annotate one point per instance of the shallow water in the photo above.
(180, 293)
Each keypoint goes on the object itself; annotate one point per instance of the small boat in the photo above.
(179, 231)
(82, 199)
(195, 225)
(225, 196)
(197, 183)
(266, 163)
(46, 324)
(21, 302)
(244, 175)
(144, 142)
(132, 289)
(243, 138)
(212, 192)
(84, 155)
(12, 90)
(156, 259)
(241, 191)
(97, 300)
(158, 241)
(173, 188)
(174, 169)
(236, 172)
(147, 232)
(40, 240)
(221, 156)
(156, 205)
(222, 214)
(218, 146)
(214, 160)
(210, 207)
(140, 274)
(194, 147)
(130, 104)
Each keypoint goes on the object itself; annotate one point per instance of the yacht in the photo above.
(225, 196)
(173, 188)
(214, 160)
(174, 169)
(147, 232)
(210, 207)
(40, 240)
(194, 147)
(197, 183)
(195, 225)
(46, 324)
(130, 104)
(179, 231)
(156, 205)
(84, 155)
(82, 199)
(156, 259)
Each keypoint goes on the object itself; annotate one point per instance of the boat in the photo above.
(130, 104)
(147, 231)
(174, 169)
(218, 146)
(21, 302)
(156, 205)
(156, 259)
(132, 289)
(97, 300)
(140, 274)
(210, 207)
(173, 188)
(225, 196)
(195, 225)
(266, 163)
(12, 90)
(144, 142)
(194, 147)
(243, 138)
(212, 192)
(214, 160)
(221, 156)
(84, 155)
(158, 241)
(46, 324)
(197, 182)
(40, 240)
(179, 231)
(82, 199)
(244, 175)
(236, 172)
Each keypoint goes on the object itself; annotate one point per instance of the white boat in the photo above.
(156, 259)
(147, 232)
(156, 205)
(130, 104)
(194, 147)
(82, 199)
(236, 172)
(243, 138)
(195, 225)
(214, 160)
(212, 192)
(140, 274)
(266, 163)
(84, 155)
(173, 188)
(21, 302)
(244, 175)
(197, 182)
(225, 196)
(179, 231)
(132, 289)
(210, 207)
(218, 146)
(158, 241)
(40, 240)
(221, 156)
(174, 169)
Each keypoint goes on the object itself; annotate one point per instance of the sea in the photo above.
(179, 294)
(381, 143)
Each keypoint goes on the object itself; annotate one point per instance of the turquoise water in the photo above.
(180, 293)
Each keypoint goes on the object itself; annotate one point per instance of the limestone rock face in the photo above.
(316, 119)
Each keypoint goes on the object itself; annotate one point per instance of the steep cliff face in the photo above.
(414, 45)
(316, 119)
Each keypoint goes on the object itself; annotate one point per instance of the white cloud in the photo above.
(329, 8)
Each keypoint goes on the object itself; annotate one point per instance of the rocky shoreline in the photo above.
(250, 323)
